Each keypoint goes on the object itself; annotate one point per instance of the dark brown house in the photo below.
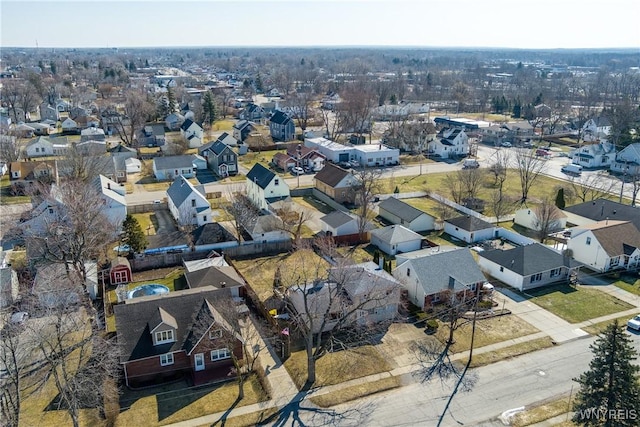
(178, 335)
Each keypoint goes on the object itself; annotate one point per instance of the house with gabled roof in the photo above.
(264, 187)
(398, 212)
(228, 139)
(188, 204)
(337, 183)
(177, 335)
(169, 167)
(242, 129)
(192, 132)
(221, 159)
(212, 237)
(596, 128)
(338, 223)
(69, 125)
(173, 121)
(430, 278)
(282, 127)
(470, 229)
(43, 146)
(219, 277)
(151, 135)
(601, 210)
(627, 161)
(23, 173)
(396, 239)
(527, 267)
(451, 142)
(597, 155)
(47, 112)
(253, 113)
(606, 245)
(92, 133)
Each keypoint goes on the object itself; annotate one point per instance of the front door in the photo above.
(199, 361)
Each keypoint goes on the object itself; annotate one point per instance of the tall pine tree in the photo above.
(208, 109)
(609, 393)
(133, 235)
(560, 202)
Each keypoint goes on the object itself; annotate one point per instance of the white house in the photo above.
(265, 228)
(338, 223)
(113, 196)
(54, 286)
(451, 143)
(395, 239)
(192, 132)
(169, 167)
(398, 212)
(188, 204)
(92, 133)
(597, 155)
(43, 146)
(527, 267)
(528, 218)
(606, 245)
(627, 161)
(331, 150)
(264, 186)
(470, 229)
(373, 155)
(69, 125)
(595, 129)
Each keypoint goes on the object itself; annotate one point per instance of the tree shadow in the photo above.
(301, 412)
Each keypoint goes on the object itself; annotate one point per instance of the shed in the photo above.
(120, 271)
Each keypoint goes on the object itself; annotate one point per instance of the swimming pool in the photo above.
(146, 290)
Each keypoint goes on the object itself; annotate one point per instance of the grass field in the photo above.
(629, 284)
(5, 193)
(541, 412)
(577, 304)
(599, 327)
(357, 391)
(511, 351)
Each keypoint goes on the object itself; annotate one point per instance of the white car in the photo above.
(634, 323)
(297, 170)
(505, 144)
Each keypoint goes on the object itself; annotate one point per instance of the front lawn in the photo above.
(577, 304)
(357, 391)
(338, 367)
(629, 284)
(262, 157)
(515, 350)
(488, 331)
(598, 328)
(6, 198)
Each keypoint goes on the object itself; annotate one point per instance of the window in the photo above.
(588, 240)
(164, 336)
(536, 278)
(204, 218)
(555, 272)
(193, 203)
(215, 334)
(50, 210)
(220, 354)
(276, 181)
(436, 298)
(408, 272)
(614, 262)
(166, 359)
(501, 269)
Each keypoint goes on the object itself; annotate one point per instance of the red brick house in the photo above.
(120, 271)
(178, 335)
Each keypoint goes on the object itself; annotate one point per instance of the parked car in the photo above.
(470, 164)
(297, 170)
(572, 169)
(354, 163)
(505, 144)
(345, 165)
(19, 317)
(542, 152)
(634, 323)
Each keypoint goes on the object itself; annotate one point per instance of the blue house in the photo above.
(282, 127)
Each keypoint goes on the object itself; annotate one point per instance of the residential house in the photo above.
(39, 128)
(337, 183)
(227, 139)
(9, 285)
(179, 334)
(528, 218)
(111, 120)
(120, 271)
(307, 157)
(113, 197)
(151, 135)
(123, 151)
(55, 286)
(396, 239)
(361, 294)
(282, 127)
(173, 121)
(221, 159)
(264, 187)
(92, 133)
(85, 122)
(600, 155)
(91, 147)
(69, 126)
(606, 245)
(77, 111)
(601, 210)
(265, 228)
(283, 161)
(332, 151)
(338, 223)
(470, 229)
(169, 167)
(43, 146)
(192, 132)
(596, 128)
(23, 174)
(527, 267)
(430, 276)
(47, 112)
(449, 143)
(219, 277)
(374, 155)
(242, 129)
(212, 237)
(330, 101)
(252, 113)
(398, 212)
(188, 204)
(627, 161)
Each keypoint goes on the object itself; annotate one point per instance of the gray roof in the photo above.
(211, 233)
(218, 277)
(395, 234)
(173, 162)
(260, 175)
(603, 209)
(435, 271)
(401, 209)
(336, 219)
(528, 260)
(180, 190)
(359, 278)
(470, 223)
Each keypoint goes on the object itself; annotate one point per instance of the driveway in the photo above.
(205, 176)
(166, 223)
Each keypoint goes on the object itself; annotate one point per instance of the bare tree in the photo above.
(293, 220)
(300, 107)
(499, 169)
(592, 186)
(365, 192)
(529, 167)
(240, 209)
(501, 205)
(546, 219)
(331, 124)
(15, 358)
(10, 150)
(138, 109)
(11, 94)
(464, 184)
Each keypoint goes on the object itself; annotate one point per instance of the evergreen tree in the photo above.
(397, 190)
(54, 68)
(610, 389)
(133, 235)
(209, 109)
(171, 99)
(376, 256)
(560, 203)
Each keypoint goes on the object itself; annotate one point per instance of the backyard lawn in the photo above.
(5, 193)
(148, 222)
(577, 304)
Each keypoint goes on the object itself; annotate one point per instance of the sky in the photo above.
(527, 24)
